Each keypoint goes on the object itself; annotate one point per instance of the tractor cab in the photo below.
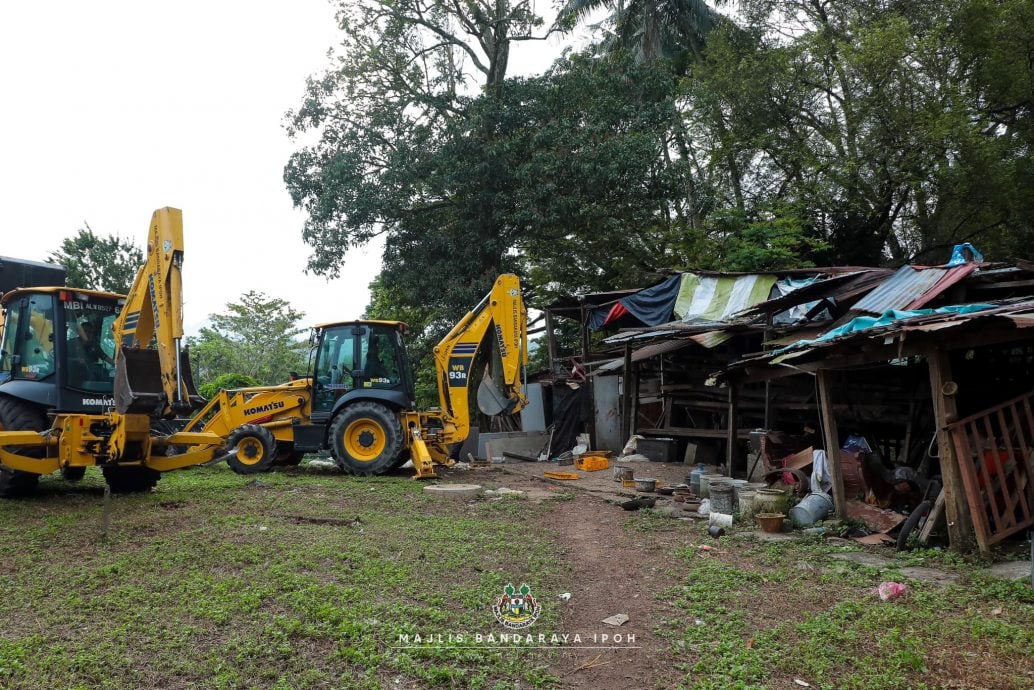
(360, 359)
(58, 347)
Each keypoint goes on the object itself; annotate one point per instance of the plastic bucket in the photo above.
(721, 495)
(814, 507)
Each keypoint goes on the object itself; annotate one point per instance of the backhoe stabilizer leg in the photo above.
(422, 462)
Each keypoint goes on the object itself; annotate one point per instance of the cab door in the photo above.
(335, 371)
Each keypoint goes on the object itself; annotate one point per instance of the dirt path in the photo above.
(612, 571)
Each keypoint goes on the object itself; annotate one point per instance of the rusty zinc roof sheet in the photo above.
(912, 287)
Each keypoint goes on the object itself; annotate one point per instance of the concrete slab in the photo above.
(460, 491)
(529, 443)
(1010, 570)
(864, 558)
(937, 577)
(762, 535)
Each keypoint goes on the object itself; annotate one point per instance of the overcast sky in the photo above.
(113, 108)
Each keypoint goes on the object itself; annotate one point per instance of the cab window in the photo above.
(31, 344)
(90, 345)
(336, 358)
(380, 358)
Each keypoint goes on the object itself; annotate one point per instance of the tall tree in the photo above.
(256, 337)
(106, 263)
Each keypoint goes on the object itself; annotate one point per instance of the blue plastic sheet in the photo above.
(958, 254)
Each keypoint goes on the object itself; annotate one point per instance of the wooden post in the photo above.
(831, 439)
(626, 395)
(550, 341)
(733, 423)
(591, 422)
(960, 523)
(635, 398)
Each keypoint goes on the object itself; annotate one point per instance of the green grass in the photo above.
(293, 581)
(758, 614)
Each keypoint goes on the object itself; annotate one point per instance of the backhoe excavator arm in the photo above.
(502, 311)
(156, 380)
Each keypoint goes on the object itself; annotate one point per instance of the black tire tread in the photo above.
(264, 436)
(911, 523)
(383, 416)
(17, 415)
(130, 479)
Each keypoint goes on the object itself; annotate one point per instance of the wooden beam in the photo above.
(590, 423)
(731, 426)
(831, 439)
(550, 341)
(961, 535)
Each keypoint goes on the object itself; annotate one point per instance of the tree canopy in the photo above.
(108, 263)
(254, 340)
(790, 133)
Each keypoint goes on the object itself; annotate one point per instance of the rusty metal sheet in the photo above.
(877, 519)
(912, 287)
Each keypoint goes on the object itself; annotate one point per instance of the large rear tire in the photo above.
(256, 449)
(130, 479)
(366, 438)
(16, 415)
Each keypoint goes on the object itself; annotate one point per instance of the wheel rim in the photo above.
(250, 451)
(365, 440)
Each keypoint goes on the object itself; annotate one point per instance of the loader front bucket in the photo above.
(139, 387)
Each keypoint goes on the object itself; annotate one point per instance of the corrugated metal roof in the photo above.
(912, 287)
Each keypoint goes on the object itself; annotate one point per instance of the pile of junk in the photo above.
(789, 486)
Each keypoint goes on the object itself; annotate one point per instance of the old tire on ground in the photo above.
(913, 523)
(366, 438)
(73, 474)
(256, 449)
(16, 415)
(130, 479)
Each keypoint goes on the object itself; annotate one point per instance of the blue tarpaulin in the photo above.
(863, 323)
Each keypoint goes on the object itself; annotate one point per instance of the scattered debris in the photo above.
(715, 531)
(591, 663)
(616, 620)
(262, 528)
(504, 491)
(705, 547)
(637, 503)
(321, 465)
(566, 596)
(888, 591)
(563, 476)
(803, 684)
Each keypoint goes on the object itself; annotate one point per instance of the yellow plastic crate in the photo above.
(591, 463)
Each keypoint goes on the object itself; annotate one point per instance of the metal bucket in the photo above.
(814, 507)
(722, 497)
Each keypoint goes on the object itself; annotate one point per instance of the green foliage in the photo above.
(226, 381)
(255, 338)
(93, 262)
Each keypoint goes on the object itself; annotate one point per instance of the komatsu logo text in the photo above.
(263, 408)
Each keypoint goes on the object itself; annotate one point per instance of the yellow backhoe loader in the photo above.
(358, 398)
(93, 378)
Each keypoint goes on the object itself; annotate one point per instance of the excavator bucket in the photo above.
(138, 383)
(492, 400)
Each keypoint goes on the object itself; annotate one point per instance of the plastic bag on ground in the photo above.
(888, 591)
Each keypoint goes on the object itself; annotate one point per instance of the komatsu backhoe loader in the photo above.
(91, 378)
(358, 398)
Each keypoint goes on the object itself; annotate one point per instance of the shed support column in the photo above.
(551, 342)
(733, 423)
(831, 439)
(591, 423)
(960, 523)
(627, 391)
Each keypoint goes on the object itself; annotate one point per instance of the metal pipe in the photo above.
(179, 373)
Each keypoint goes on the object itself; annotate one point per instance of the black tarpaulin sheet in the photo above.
(651, 307)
